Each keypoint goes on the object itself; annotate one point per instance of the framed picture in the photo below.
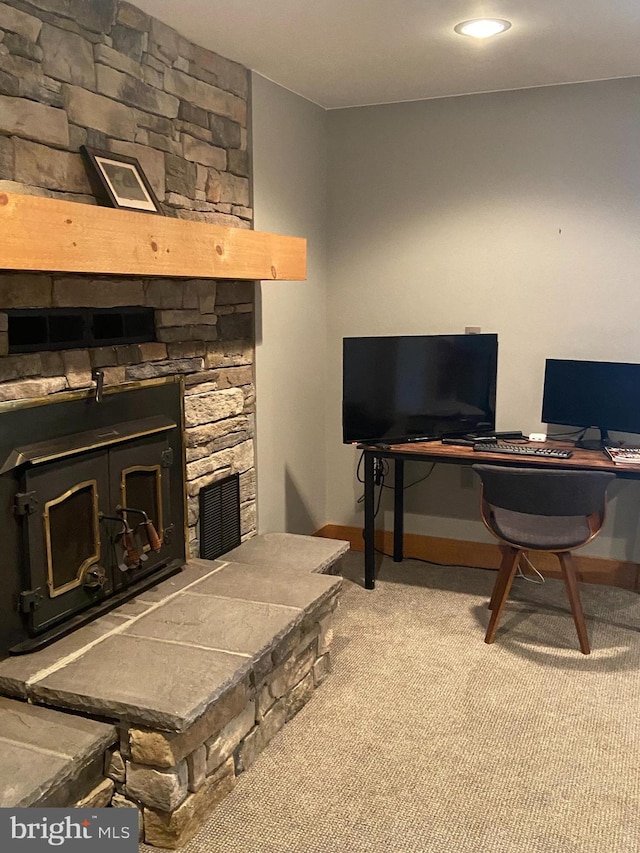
(119, 181)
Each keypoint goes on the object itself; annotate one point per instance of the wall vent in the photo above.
(220, 517)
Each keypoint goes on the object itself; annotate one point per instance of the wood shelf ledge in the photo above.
(48, 235)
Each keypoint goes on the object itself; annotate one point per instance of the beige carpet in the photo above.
(425, 739)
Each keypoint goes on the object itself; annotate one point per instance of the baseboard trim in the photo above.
(483, 555)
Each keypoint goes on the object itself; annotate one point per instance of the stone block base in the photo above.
(176, 779)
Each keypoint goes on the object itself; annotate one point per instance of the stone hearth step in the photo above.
(290, 550)
(197, 675)
(51, 759)
(144, 661)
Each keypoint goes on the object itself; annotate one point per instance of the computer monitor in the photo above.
(418, 387)
(600, 394)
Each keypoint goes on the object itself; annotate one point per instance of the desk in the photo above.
(435, 451)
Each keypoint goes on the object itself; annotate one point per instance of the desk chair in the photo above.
(529, 509)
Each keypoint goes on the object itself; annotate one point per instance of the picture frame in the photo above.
(119, 181)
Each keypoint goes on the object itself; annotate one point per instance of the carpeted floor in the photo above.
(426, 740)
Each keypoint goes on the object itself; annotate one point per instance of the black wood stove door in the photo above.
(88, 518)
(64, 550)
(139, 485)
(98, 523)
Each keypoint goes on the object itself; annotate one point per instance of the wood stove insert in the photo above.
(93, 507)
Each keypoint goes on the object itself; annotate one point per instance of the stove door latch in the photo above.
(30, 600)
(25, 503)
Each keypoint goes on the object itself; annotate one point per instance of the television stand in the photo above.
(596, 443)
(590, 444)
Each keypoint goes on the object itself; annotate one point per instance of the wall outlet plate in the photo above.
(537, 436)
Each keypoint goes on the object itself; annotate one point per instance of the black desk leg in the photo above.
(369, 522)
(398, 510)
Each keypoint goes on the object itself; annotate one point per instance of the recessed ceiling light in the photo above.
(482, 28)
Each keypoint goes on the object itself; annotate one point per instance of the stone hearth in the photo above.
(185, 686)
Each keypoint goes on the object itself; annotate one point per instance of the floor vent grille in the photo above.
(220, 517)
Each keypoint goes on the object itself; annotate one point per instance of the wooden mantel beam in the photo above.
(47, 235)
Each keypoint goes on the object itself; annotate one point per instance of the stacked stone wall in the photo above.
(104, 74)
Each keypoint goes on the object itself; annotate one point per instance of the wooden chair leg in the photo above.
(501, 591)
(573, 592)
(496, 593)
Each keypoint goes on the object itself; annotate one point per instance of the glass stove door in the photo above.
(63, 539)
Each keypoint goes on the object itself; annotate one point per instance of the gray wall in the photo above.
(518, 212)
(289, 174)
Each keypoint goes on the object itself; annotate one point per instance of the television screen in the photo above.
(397, 389)
(600, 394)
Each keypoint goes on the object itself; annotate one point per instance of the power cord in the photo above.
(576, 435)
(521, 574)
(380, 472)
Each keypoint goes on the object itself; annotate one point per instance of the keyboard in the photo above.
(524, 450)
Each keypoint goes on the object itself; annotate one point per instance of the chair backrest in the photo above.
(534, 491)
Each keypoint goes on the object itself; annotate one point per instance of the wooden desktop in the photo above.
(435, 451)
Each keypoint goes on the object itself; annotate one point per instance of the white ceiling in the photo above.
(342, 53)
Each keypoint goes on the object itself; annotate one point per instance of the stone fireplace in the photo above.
(159, 703)
(104, 74)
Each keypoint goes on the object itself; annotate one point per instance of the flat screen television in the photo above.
(601, 394)
(415, 387)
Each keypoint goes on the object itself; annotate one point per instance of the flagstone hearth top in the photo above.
(162, 659)
(44, 752)
(290, 550)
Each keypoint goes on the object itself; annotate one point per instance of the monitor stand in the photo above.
(596, 443)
